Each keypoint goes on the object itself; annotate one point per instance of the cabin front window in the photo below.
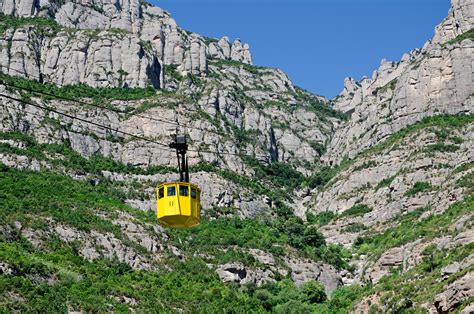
(183, 190)
(171, 191)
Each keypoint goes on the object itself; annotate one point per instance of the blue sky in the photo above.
(317, 42)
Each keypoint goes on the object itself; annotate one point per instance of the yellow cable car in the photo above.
(178, 203)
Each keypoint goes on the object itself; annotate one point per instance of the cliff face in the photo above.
(127, 44)
(369, 194)
(434, 79)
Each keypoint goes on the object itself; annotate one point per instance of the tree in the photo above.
(314, 292)
(313, 237)
(293, 307)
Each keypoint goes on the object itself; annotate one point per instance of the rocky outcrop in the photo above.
(454, 295)
(301, 271)
(236, 272)
(432, 80)
(95, 244)
(127, 44)
(98, 59)
(382, 181)
(306, 270)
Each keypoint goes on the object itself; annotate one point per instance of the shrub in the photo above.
(314, 292)
(41, 24)
(320, 219)
(466, 35)
(293, 307)
(419, 187)
(385, 182)
(353, 228)
(322, 177)
(365, 165)
(80, 91)
(312, 237)
(441, 147)
(357, 210)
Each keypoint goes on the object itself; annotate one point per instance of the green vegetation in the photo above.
(389, 86)
(353, 228)
(318, 147)
(413, 288)
(441, 147)
(47, 194)
(418, 188)
(385, 182)
(79, 91)
(57, 279)
(466, 182)
(260, 188)
(411, 228)
(467, 35)
(366, 165)
(172, 72)
(70, 158)
(464, 167)
(321, 178)
(442, 121)
(320, 219)
(321, 109)
(280, 174)
(356, 210)
(43, 25)
(215, 235)
(256, 70)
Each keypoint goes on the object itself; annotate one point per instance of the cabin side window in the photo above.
(193, 193)
(161, 193)
(171, 191)
(183, 190)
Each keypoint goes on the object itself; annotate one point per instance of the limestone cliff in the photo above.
(437, 78)
(127, 44)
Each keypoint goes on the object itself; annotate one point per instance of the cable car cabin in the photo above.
(178, 204)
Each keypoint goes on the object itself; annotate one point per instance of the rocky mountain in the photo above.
(362, 203)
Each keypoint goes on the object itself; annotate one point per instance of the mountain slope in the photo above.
(362, 203)
(435, 79)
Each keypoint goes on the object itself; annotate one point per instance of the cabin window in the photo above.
(161, 193)
(193, 193)
(171, 191)
(183, 190)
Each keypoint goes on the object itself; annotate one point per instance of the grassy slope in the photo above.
(81, 284)
(30, 197)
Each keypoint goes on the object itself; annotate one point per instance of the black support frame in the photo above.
(181, 147)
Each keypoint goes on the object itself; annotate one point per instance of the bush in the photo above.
(357, 210)
(312, 237)
(440, 147)
(80, 91)
(314, 292)
(281, 174)
(353, 228)
(293, 307)
(320, 219)
(43, 25)
(322, 177)
(419, 187)
(385, 182)
(466, 35)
